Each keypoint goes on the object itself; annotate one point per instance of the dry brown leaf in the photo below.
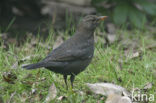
(52, 93)
(9, 77)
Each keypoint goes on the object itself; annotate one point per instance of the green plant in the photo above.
(121, 11)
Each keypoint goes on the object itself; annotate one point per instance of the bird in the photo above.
(75, 54)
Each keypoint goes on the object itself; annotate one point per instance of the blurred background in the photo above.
(30, 15)
(20, 19)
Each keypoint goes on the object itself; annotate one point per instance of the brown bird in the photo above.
(75, 54)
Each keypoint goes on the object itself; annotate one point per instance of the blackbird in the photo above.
(75, 54)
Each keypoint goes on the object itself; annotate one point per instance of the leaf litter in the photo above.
(9, 77)
(52, 93)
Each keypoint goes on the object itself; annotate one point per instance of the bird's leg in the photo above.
(65, 80)
(72, 77)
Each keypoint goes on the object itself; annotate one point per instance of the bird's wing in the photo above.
(60, 55)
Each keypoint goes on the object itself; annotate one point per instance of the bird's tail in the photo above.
(33, 66)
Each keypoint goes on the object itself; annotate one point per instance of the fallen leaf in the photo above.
(133, 55)
(52, 93)
(113, 98)
(106, 89)
(9, 77)
(148, 86)
(111, 38)
(110, 28)
(61, 98)
(23, 97)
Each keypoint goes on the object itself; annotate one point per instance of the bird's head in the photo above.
(90, 22)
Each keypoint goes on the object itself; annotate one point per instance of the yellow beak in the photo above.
(101, 18)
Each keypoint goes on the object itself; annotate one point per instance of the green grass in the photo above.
(105, 66)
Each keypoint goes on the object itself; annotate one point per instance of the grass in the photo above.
(109, 64)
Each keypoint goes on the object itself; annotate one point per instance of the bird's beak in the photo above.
(101, 18)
